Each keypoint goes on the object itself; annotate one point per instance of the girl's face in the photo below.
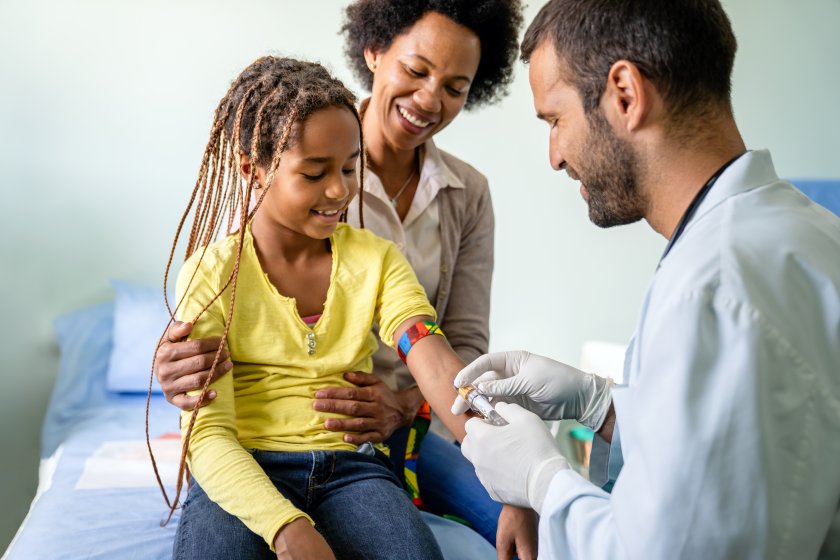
(316, 178)
(420, 83)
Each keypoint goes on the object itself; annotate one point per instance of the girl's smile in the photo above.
(315, 180)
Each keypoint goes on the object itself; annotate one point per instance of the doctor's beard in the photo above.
(610, 176)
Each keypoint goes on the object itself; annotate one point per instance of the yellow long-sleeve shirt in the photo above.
(280, 362)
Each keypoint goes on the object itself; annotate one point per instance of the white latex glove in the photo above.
(549, 389)
(515, 463)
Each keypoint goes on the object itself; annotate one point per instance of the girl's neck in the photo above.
(278, 243)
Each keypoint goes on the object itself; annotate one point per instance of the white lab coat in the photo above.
(730, 422)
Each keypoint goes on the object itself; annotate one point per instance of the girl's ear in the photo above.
(245, 169)
(244, 165)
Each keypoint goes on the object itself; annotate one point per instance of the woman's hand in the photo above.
(184, 365)
(299, 540)
(376, 410)
(517, 533)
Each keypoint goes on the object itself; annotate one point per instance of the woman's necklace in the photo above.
(394, 199)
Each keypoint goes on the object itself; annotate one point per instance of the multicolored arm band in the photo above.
(415, 333)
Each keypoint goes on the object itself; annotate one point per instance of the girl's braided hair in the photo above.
(257, 118)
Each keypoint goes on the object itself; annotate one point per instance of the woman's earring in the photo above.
(372, 67)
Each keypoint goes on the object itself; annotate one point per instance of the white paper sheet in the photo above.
(126, 464)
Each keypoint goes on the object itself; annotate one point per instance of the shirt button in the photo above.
(444, 268)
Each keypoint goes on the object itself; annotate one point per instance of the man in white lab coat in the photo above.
(725, 440)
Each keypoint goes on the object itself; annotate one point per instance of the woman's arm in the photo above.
(183, 365)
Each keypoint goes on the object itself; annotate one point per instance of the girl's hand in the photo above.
(376, 410)
(299, 540)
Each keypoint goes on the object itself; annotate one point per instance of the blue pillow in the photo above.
(84, 338)
(140, 318)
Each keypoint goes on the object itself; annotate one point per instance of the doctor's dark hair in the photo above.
(374, 24)
(260, 116)
(685, 47)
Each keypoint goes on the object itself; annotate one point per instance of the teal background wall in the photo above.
(105, 108)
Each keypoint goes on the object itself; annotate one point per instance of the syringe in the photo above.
(482, 405)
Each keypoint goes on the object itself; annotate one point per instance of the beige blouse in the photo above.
(447, 236)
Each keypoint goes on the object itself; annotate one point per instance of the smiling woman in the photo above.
(424, 61)
(420, 83)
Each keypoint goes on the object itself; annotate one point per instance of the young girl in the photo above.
(435, 59)
(294, 294)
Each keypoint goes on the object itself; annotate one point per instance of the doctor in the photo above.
(725, 443)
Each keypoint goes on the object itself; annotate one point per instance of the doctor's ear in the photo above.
(629, 97)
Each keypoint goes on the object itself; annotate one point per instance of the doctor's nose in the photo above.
(555, 158)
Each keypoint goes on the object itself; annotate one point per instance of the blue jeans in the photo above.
(448, 485)
(354, 499)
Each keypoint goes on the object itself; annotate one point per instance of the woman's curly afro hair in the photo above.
(374, 24)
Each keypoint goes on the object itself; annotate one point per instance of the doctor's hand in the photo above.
(549, 389)
(184, 365)
(517, 462)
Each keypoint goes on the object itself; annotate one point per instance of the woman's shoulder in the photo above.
(472, 201)
(472, 179)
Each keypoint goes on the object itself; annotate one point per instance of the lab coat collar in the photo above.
(751, 170)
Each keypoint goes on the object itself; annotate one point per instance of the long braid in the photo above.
(212, 145)
(271, 93)
(232, 282)
(362, 165)
(216, 132)
(215, 143)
